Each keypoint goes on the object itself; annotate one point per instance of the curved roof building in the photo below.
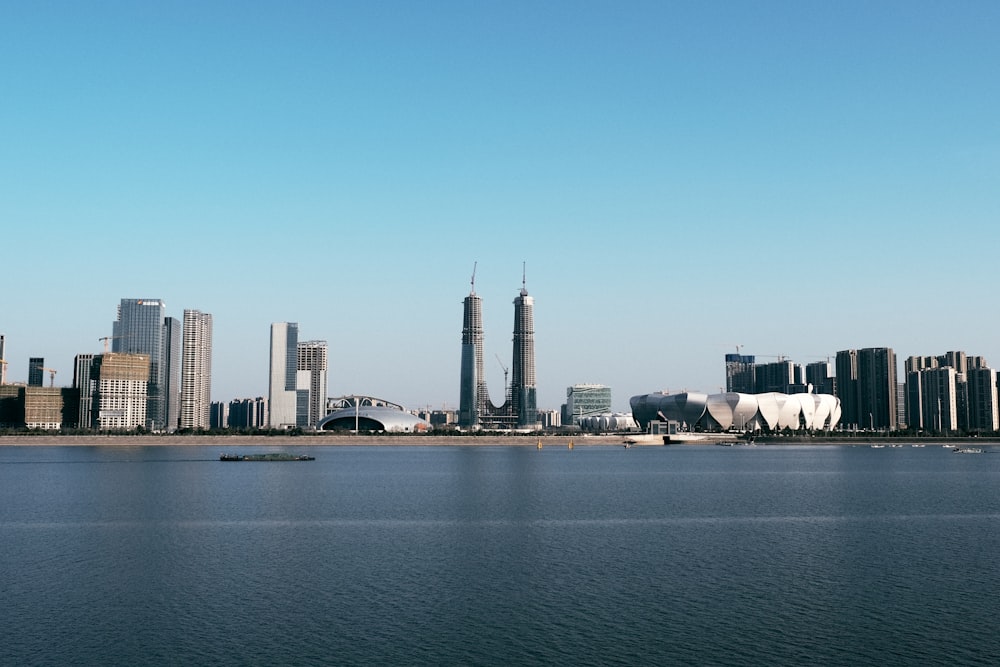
(373, 418)
(737, 411)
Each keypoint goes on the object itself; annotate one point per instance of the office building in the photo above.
(472, 396)
(82, 365)
(519, 409)
(740, 373)
(310, 383)
(121, 383)
(172, 360)
(3, 359)
(36, 375)
(522, 384)
(585, 400)
(282, 396)
(196, 370)
(139, 330)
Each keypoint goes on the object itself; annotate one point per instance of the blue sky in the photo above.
(679, 178)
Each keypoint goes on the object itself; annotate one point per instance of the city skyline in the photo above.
(681, 179)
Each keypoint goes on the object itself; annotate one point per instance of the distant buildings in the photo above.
(82, 382)
(519, 409)
(310, 383)
(585, 400)
(36, 376)
(140, 329)
(248, 413)
(951, 393)
(196, 371)
(121, 384)
(297, 380)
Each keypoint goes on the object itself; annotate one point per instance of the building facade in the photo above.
(196, 371)
(310, 382)
(585, 400)
(523, 391)
(139, 330)
(36, 372)
(248, 413)
(282, 396)
(121, 383)
(82, 365)
(173, 340)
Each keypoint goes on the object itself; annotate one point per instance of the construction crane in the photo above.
(505, 389)
(52, 375)
(106, 339)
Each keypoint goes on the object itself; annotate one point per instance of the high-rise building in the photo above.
(3, 359)
(939, 399)
(82, 365)
(172, 360)
(866, 386)
(36, 375)
(522, 382)
(846, 364)
(248, 413)
(196, 370)
(472, 390)
(120, 396)
(520, 409)
(740, 373)
(820, 375)
(984, 413)
(218, 415)
(310, 382)
(282, 396)
(139, 329)
(585, 400)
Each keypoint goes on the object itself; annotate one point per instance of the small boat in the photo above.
(968, 450)
(279, 456)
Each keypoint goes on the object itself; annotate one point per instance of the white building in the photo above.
(196, 371)
(281, 395)
(310, 382)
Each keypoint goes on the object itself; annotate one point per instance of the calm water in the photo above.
(500, 556)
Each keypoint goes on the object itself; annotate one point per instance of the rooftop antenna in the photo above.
(474, 264)
(524, 281)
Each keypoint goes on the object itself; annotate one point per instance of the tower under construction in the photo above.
(519, 409)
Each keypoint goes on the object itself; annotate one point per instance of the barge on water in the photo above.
(281, 456)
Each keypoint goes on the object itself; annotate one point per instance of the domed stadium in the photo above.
(733, 411)
(365, 413)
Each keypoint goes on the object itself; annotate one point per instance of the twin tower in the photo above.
(519, 409)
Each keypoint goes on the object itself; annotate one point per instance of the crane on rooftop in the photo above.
(52, 375)
(105, 339)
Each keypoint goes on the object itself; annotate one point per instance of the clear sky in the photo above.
(679, 177)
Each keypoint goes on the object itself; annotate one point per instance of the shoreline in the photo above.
(429, 441)
(304, 440)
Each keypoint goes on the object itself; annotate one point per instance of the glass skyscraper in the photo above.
(139, 329)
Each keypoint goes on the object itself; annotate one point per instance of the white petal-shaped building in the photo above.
(731, 411)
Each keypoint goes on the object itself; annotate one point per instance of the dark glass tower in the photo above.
(140, 330)
(522, 383)
(472, 390)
